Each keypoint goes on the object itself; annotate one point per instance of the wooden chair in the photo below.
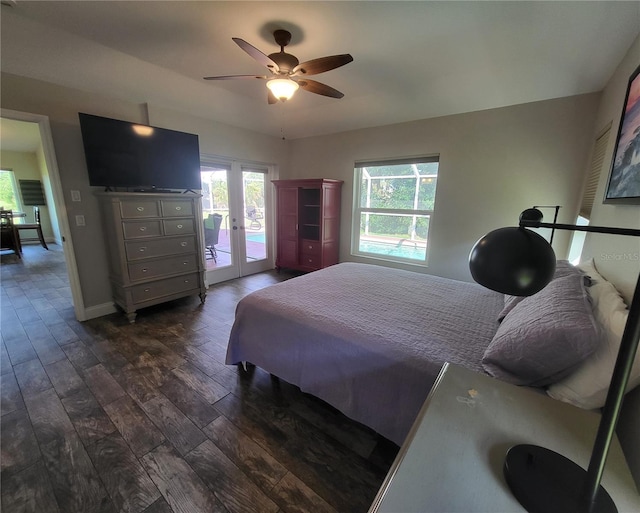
(33, 226)
(9, 238)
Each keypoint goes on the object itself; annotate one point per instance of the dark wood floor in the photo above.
(104, 416)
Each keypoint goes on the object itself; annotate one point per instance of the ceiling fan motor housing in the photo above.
(285, 61)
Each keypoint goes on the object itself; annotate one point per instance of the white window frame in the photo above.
(358, 211)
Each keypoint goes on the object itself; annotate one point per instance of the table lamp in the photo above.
(519, 262)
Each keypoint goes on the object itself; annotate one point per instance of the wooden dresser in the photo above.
(308, 217)
(155, 247)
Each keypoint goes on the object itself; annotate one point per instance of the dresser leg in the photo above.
(131, 316)
(203, 297)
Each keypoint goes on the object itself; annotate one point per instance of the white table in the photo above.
(452, 459)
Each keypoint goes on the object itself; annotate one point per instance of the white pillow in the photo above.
(588, 385)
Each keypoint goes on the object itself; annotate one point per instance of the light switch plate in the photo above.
(75, 196)
(80, 220)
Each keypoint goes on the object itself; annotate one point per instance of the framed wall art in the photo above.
(624, 179)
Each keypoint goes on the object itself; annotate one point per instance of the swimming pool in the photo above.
(401, 249)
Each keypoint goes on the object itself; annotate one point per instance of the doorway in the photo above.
(55, 199)
(236, 205)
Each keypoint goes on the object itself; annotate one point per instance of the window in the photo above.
(393, 207)
(9, 197)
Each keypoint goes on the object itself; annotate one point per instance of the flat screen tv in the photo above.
(127, 155)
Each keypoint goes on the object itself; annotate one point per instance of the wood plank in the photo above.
(128, 484)
(104, 387)
(178, 483)
(175, 425)
(32, 377)
(75, 482)
(229, 484)
(89, 419)
(192, 405)
(64, 378)
(253, 460)
(211, 390)
(19, 447)
(80, 355)
(29, 491)
(306, 451)
(160, 506)
(294, 496)
(11, 398)
(134, 426)
(135, 382)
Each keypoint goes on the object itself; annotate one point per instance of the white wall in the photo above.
(618, 258)
(61, 105)
(493, 165)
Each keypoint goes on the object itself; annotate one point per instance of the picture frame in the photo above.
(623, 185)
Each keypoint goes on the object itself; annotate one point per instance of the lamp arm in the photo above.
(621, 370)
(574, 227)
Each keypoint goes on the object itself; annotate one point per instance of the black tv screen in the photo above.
(120, 154)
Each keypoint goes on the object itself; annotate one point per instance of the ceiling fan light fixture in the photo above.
(282, 88)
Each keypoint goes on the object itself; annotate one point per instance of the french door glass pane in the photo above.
(215, 204)
(253, 185)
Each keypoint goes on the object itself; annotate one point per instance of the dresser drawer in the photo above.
(310, 261)
(178, 226)
(310, 248)
(139, 208)
(177, 208)
(167, 287)
(139, 229)
(163, 267)
(137, 250)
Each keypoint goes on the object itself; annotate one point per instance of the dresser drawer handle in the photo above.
(145, 270)
(142, 250)
(310, 247)
(185, 263)
(183, 244)
(143, 228)
(147, 290)
(178, 208)
(179, 226)
(186, 281)
(310, 260)
(140, 209)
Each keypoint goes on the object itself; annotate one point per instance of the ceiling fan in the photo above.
(287, 73)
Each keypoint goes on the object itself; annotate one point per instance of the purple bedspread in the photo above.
(369, 340)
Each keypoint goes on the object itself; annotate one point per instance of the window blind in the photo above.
(591, 187)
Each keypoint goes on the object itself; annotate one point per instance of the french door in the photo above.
(236, 204)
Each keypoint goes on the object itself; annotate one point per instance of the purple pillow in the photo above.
(563, 268)
(545, 336)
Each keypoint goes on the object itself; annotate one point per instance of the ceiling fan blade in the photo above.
(315, 66)
(232, 77)
(271, 98)
(256, 54)
(316, 87)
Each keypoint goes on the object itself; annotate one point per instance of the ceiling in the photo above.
(412, 60)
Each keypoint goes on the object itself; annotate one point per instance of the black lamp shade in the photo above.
(513, 261)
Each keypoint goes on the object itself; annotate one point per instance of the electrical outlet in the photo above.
(80, 220)
(75, 196)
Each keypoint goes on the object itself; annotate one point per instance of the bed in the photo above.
(371, 340)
